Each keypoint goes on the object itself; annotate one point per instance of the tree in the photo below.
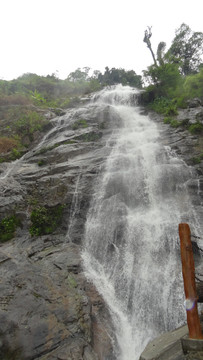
(147, 36)
(193, 85)
(79, 75)
(120, 76)
(165, 77)
(186, 50)
(160, 52)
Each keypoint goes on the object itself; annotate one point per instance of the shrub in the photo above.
(79, 124)
(181, 102)
(195, 128)
(7, 144)
(193, 85)
(15, 154)
(65, 103)
(175, 123)
(45, 220)
(41, 162)
(197, 160)
(38, 98)
(15, 99)
(74, 101)
(8, 226)
(29, 122)
(163, 105)
(171, 109)
(167, 120)
(91, 136)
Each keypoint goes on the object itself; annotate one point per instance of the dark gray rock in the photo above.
(45, 312)
(48, 311)
(192, 103)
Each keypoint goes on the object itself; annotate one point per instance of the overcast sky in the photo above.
(45, 36)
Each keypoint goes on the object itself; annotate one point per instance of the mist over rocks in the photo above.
(48, 309)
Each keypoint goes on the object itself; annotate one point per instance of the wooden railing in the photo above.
(188, 270)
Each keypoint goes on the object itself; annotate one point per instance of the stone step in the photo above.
(166, 347)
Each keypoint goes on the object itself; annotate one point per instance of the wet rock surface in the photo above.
(189, 148)
(48, 310)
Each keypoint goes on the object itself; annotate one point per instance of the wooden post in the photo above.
(188, 270)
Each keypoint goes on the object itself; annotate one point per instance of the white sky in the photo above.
(42, 36)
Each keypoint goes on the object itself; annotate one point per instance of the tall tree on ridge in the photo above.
(147, 36)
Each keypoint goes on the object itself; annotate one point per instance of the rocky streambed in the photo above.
(48, 310)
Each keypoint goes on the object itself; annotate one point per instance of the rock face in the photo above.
(48, 310)
(189, 147)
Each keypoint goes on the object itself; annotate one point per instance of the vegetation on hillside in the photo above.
(176, 75)
(25, 101)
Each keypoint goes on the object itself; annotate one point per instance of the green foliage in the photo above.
(8, 227)
(175, 123)
(91, 136)
(66, 103)
(47, 91)
(193, 85)
(167, 120)
(160, 52)
(78, 75)
(41, 162)
(29, 122)
(22, 123)
(72, 282)
(81, 123)
(38, 98)
(120, 76)
(198, 159)
(103, 125)
(73, 101)
(166, 79)
(180, 100)
(165, 106)
(176, 79)
(196, 128)
(15, 154)
(45, 220)
(186, 50)
(7, 144)
(14, 99)
(27, 97)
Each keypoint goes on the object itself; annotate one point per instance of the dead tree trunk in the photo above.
(147, 36)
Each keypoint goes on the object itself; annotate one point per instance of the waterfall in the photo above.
(131, 245)
(75, 207)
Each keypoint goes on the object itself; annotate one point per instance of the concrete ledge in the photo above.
(189, 345)
(166, 347)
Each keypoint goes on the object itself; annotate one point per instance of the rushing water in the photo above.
(131, 245)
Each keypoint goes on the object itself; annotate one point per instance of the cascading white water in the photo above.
(131, 245)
